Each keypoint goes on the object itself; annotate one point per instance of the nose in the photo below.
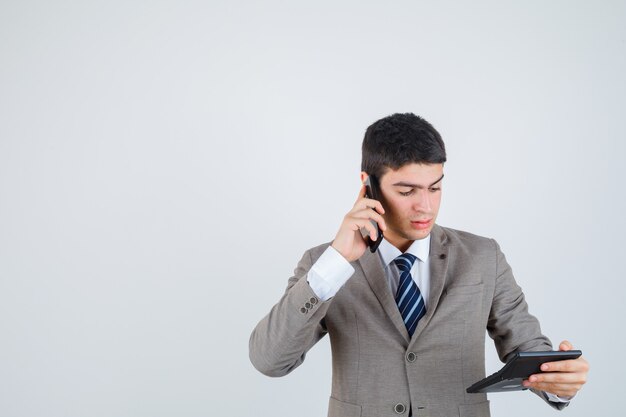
(422, 201)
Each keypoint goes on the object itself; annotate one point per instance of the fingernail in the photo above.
(544, 367)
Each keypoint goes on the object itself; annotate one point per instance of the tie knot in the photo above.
(405, 261)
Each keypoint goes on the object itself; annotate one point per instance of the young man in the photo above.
(406, 323)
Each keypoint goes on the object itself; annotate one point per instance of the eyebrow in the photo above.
(411, 185)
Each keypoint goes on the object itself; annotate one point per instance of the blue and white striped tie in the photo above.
(409, 298)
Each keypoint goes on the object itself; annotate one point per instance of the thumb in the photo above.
(565, 345)
(361, 192)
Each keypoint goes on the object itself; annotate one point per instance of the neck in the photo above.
(400, 243)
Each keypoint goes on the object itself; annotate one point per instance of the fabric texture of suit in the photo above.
(377, 369)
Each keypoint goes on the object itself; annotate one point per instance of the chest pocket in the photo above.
(462, 299)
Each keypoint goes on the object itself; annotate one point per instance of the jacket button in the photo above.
(411, 357)
(303, 310)
(308, 305)
(313, 300)
(399, 408)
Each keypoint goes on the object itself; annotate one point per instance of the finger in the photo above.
(561, 390)
(558, 377)
(361, 194)
(370, 204)
(363, 202)
(371, 215)
(570, 365)
(371, 230)
(544, 385)
(565, 346)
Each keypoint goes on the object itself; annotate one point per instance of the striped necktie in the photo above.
(409, 298)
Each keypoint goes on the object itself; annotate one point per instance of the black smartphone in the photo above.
(372, 191)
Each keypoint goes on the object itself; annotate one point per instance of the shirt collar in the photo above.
(419, 248)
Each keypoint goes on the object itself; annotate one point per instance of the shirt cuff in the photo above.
(556, 399)
(329, 273)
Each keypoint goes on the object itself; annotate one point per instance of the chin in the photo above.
(417, 235)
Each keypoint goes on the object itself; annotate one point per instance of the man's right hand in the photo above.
(349, 242)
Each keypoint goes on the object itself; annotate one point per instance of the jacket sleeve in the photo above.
(510, 324)
(279, 342)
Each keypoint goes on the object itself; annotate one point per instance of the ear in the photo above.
(364, 177)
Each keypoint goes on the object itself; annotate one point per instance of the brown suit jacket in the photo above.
(377, 369)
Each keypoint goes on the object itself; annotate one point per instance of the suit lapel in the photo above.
(375, 276)
(438, 262)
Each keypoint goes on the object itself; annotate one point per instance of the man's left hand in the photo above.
(562, 378)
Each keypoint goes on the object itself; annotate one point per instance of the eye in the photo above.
(434, 189)
(406, 193)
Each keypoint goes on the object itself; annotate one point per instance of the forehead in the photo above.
(418, 174)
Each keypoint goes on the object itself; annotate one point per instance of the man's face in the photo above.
(411, 198)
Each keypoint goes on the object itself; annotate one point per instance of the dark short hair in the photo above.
(400, 139)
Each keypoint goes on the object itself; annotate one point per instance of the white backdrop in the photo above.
(164, 164)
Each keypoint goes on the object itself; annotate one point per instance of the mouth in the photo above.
(421, 224)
